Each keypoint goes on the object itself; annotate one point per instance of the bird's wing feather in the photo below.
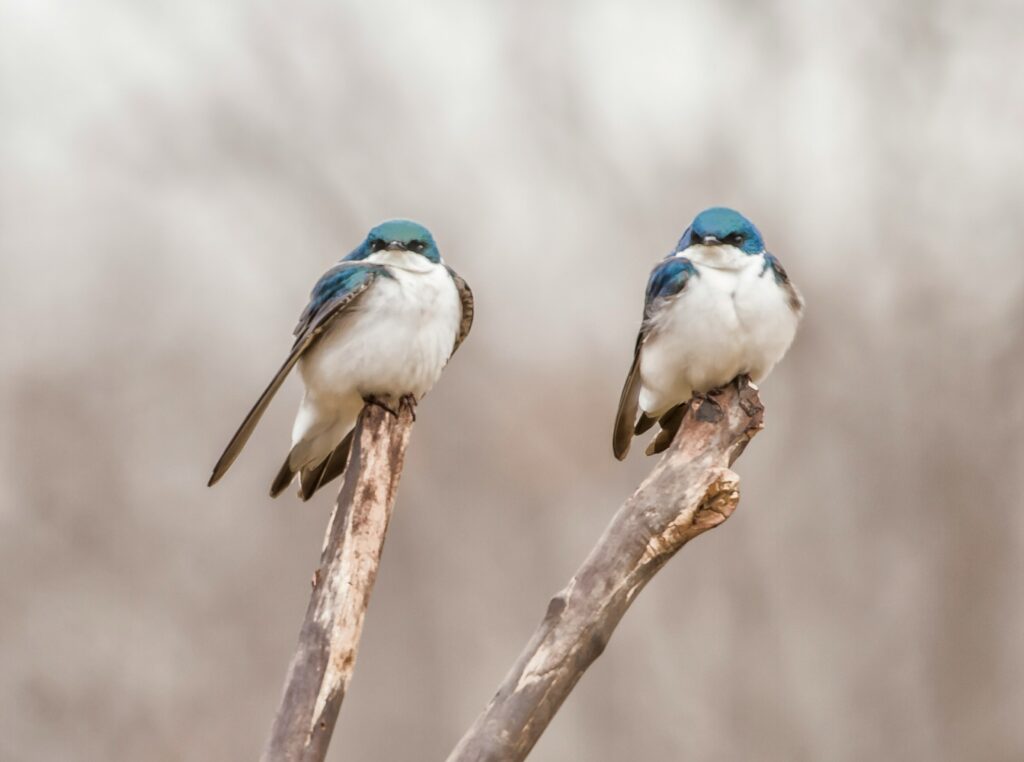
(793, 298)
(629, 401)
(335, 293)
(466, 297)
(667, 281)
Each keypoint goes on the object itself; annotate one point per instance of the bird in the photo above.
(720, 305)
(379, 328)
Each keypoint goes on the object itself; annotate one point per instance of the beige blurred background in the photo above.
(174, 178)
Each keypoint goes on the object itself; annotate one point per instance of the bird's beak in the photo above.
(395, 246)
(710, 240)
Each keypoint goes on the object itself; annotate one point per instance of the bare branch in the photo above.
(690, 491)
(322, 666)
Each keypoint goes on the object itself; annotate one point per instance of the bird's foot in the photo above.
(373, 399)
(741, 381)
(408, 401)
(705, 407)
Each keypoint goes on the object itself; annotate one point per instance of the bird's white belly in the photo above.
(723, 324)
(395, 342)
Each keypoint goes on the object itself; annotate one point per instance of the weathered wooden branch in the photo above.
(322, 666)
(690, 491)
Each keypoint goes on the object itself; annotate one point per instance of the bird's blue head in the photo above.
(720, 226)
(398, 235)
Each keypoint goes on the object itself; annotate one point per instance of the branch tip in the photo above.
(689, 491)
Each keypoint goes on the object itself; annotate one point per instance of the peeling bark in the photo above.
(329, 640)
(690, 491)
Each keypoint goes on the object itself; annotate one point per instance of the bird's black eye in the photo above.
(376, 244)
(694, 237)
(417, 246)
(735, 238)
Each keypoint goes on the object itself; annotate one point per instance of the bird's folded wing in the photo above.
(629, 402)
(793, 298)
(466, 297)
(667, 280)
(337, 292)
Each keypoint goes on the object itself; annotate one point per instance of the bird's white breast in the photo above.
(397, 338)
(727, 321)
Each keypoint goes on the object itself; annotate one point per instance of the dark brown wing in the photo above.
(466, 296)
(793, 298)
(629, 403)
(325, 305)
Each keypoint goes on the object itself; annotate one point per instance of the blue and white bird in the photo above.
(719, 306)
(380, 326)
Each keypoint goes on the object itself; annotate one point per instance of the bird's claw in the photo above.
(378, 402)
(405, 402)
(408, 401)
(743, 379)
(705, 407)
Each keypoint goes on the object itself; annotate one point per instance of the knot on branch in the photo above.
(720, 499)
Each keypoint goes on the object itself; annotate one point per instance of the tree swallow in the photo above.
(719, 306)
(380, 326)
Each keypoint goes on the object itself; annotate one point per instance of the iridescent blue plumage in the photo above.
(405, 233)
(344, 278)
(667, 279)
(720, 224)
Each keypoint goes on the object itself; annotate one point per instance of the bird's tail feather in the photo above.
(670, 423)
(643, 423)
(313, 474)
(284, 477)
(309, 479)
(338, 461)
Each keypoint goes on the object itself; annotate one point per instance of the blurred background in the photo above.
(175, 177)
